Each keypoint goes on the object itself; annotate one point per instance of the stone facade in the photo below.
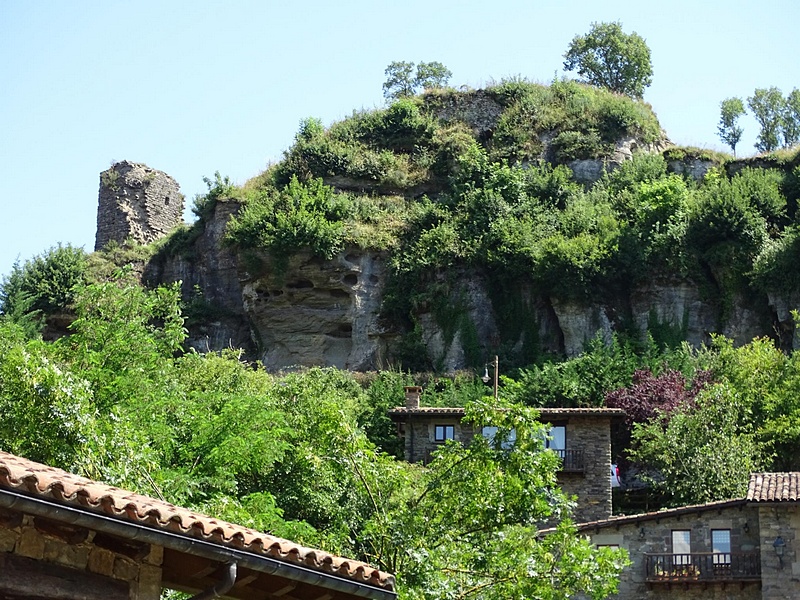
(780, 578)
(136, 202)
(751, 571)
(590, 438)
(39, 557)
(586, 460)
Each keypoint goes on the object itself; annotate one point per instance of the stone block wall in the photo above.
(419, 436)
(75, 558)
(592, 487)
(655, 536)
(780, 578)
(136, 202)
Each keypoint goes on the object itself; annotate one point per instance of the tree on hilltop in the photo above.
(402, 80)
(608, 57)
(729, 129)
(768, 107)
(791, 119)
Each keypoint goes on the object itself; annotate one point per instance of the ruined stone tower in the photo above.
(136, 202)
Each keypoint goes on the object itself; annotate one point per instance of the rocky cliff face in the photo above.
(317, 312)
(210, 284)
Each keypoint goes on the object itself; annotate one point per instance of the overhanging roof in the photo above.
(545, 414)
(193, 542)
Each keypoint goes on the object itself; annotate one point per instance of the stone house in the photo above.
(70, 538)
(741, 549)
(580, 436)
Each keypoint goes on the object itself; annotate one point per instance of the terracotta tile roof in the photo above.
(774, 487)
(545, 413)
(35, 479)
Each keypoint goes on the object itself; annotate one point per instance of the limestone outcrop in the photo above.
(314, 312)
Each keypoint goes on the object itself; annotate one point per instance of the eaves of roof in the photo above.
(544, 413)
(48, 491)
(656, 515)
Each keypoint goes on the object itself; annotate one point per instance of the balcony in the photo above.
(571, 460)
(702, 567)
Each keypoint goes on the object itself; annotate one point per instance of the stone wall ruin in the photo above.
(136, 202)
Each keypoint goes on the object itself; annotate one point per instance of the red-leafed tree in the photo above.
(651, 395)
(654, 397)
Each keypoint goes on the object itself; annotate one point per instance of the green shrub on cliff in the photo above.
(296, 217)
(580, 121)
(42, 285)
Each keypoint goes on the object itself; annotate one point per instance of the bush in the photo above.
(574, 145)
(724, 229)
(775, 267)
(583, 122)
(298, 216)
(44, 284)
(761, 188)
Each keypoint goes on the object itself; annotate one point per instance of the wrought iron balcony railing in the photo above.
(571, 460)
(703, 567)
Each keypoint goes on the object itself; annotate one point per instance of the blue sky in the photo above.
(197, 87)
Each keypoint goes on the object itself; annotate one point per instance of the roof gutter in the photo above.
(181, 543)
(223, 586)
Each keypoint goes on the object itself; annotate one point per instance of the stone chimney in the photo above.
(413, 393)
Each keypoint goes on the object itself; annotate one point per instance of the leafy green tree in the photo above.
(745, 421)
(123, 339)
(610, 58)
(466, 526)
(432, 75)
(47, 409)
(768, 106)
(731, 109)
(791, 119)
(403, 81)
(703, 453)
(399, 80)
(44, 284)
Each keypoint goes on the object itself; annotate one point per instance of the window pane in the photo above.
(443, 432)
(491, 432)
(509, 442)
(681, 541)
(558, 438)
(682, 546)
(721, 545)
